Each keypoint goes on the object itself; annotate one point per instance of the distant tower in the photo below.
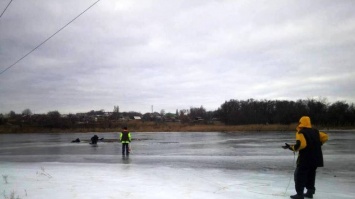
(152, 108)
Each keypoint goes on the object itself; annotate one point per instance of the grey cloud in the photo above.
(179, 54)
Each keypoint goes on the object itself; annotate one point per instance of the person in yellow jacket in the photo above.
(308, 143)
(125, 139)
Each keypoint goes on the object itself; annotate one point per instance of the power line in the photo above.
(48, 38)
(5, 8)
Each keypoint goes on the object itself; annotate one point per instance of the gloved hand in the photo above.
(287, 146)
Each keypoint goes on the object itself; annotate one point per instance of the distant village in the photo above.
(101, 118)
(233, 112)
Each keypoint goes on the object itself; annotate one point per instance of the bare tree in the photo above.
(12, 114)
(162, 112)
(27, 112)
(116, 112)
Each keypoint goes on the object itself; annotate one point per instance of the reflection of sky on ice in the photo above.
(211, 165)
(94, 180)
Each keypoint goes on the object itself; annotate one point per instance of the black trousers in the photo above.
(305, 176)
(125, 148)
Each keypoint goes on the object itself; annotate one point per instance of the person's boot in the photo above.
(297, 196)
(309, 193)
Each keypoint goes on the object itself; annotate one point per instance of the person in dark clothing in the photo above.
(310, 157)
(125, 139)
(94, 139)
(77, 140)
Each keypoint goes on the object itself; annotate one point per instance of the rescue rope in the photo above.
(293, 166)
(250, 186)
(260, 184)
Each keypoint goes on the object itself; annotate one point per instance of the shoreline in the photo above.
(135, 126)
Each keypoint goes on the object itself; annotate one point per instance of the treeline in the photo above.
(233, 112)
(240, 112)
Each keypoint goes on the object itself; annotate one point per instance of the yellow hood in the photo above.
(305, 121)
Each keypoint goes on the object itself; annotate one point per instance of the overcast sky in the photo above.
(174, 54)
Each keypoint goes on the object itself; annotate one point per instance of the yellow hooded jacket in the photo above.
(305, 122)
(306, 132)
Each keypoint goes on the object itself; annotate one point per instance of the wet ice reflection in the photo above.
(169, 165)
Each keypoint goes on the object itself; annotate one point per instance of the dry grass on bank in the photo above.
(139, 126)
(216, 127)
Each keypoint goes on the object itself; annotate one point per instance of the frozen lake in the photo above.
(168, 165)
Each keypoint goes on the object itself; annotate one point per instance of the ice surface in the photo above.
(162, 165)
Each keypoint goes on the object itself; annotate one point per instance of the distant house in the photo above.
(199, 119)
(137, 117)
(107, 114)
(64, 115)
(122, 118)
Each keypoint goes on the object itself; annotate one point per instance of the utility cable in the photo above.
(48, 38)
(5, 8)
